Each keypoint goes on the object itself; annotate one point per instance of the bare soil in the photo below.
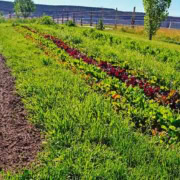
(20, 141)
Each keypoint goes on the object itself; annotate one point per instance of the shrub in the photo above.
(1, 14)
(46, 20)
(76, 40)
(15, 24)
(1, 17)
(100, 25)
(46, 61)
(70, 23)
(16, 21)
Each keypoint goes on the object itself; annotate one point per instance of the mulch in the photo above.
(20, 141)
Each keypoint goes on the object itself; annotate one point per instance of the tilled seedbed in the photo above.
(19, 140)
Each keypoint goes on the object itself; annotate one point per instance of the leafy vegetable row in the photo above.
(171, 97)
(159, 73)
(146, 114)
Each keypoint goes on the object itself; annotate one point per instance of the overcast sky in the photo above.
(123, 5)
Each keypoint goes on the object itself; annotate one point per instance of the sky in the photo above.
(122, 5)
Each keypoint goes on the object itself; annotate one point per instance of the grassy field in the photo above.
(163, 34)
(88, 118)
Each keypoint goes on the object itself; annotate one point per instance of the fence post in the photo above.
(91, 16)
(74, 20)
(10, 15)
(170, 25)
(133, 17)
(81, 21)
(67, 16)
(58, 18)
(116, 16)
(53, 17)
(62, 18)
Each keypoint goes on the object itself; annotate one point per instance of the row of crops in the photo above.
(91, 121)
(148, 100)
(156, 62)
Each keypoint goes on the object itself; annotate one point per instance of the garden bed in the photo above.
(19, 140)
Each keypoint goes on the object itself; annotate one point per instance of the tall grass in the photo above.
(163, 34)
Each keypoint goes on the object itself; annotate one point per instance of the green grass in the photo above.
(171, 36)
(84, 137)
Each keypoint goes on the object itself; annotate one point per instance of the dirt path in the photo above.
(19, 140)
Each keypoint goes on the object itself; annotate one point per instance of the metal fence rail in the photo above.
(109, 18)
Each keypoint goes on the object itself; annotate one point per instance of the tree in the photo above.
(24, 7)
(156, 12)
(17, 8)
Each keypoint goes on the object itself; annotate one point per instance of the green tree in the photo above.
(156, 12)
(24, 7)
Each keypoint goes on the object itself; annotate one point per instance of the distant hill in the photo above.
(80, 12)
(7, 7)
